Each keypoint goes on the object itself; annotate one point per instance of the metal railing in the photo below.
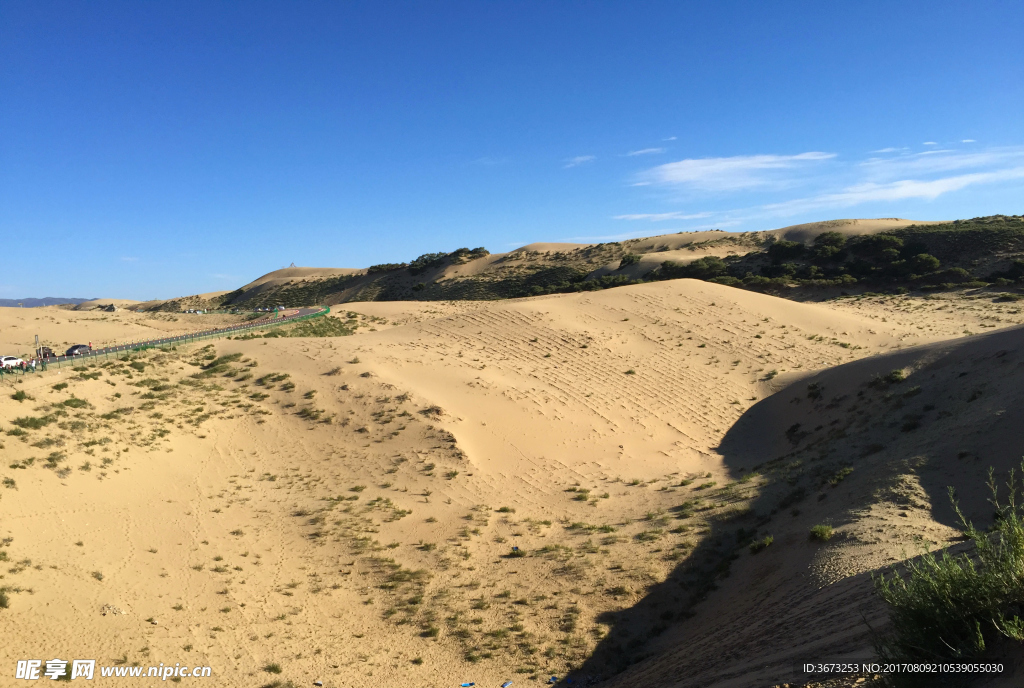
(192, 337)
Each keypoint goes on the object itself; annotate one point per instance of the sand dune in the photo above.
(346, 507)
(97, 303)
(954, 415)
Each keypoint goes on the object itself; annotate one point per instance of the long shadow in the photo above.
(828, 448)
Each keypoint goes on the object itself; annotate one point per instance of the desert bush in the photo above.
(271, 378)
(32, 422)
(629, 259)
(758, 545)
(952, 607)
(781, 251)
(895, 377)
(821, 532)
(385, 267)
(840, 475)
(704, 268)
(20, 395)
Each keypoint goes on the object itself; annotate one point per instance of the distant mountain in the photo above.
(35, 303)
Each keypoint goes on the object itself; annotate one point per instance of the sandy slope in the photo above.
(957, 413)
(97, 303)
(345, 506)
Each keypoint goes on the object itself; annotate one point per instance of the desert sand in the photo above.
(348, 509)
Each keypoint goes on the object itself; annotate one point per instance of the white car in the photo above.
(10, 362)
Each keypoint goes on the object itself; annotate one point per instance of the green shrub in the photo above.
(629, 259)
(895, 377)
(385, 267)
(840, 475)
(758, 545)
(954, 607)
(32, 422)
(21, 396)
(821, 532)
(704, 268)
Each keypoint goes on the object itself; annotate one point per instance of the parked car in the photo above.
(78, 350)
(10, 362)
(45, 352)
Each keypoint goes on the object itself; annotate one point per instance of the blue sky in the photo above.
(152, 149)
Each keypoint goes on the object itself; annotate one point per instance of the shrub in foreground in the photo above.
(954, 607)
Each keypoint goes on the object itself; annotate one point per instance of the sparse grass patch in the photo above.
(758, 545)
(840, 475)
(821, 532)
(32, 422)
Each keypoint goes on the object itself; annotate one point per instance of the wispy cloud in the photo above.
(904, 176)
(929, 143)
(579, 160)
(670, 138)
(939, 161)
(889, 150)
(905, 189)
(646, 151)
(731, 174)
(129, 259)
(968, 141)
(658, 217)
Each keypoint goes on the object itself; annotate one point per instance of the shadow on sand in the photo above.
(827, 448)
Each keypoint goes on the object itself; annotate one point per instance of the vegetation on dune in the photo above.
(318, 327)
(955, 607)
(966, 253)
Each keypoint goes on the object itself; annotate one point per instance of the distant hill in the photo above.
(35, 303)
(851, 255)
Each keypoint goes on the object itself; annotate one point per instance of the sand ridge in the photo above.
(346, 507)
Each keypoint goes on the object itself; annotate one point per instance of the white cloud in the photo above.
(929, 143)
(646, 151)
(670, 138)
(939, 161)
(579, 160)
(658, 217)
(892, 179)
(968, 141)
(733, 173)
(900, 190)
(889, 150)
